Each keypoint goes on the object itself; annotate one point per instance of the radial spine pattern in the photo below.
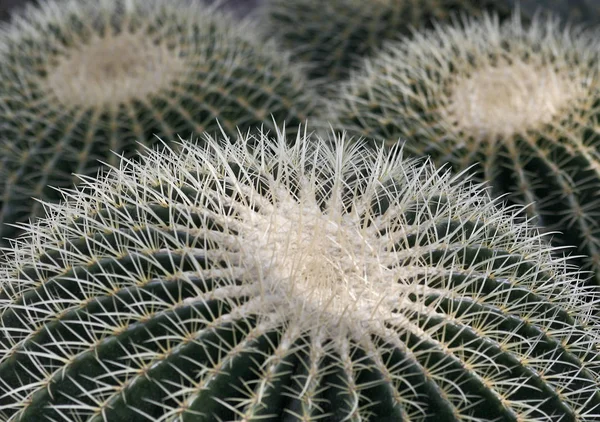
(332, 36)
(290, 282)
(522, 104)
(82, 78)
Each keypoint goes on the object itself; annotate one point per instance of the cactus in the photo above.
(519, 103)
(574, 11)
(332, 35)
(79, 79)
(302, 281)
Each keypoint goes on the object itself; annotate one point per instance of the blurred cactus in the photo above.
(522, 104)
(331, 36)
(290, 282)
(574, 11)
(81, 78)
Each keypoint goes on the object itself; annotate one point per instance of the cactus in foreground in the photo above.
(290, 282)
(522, 104)
(332, 36)
(82, 78)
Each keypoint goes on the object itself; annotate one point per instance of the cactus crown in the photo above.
(304, 281)
(507, 97)
(112, 69)
(499, 88)
(487, 80)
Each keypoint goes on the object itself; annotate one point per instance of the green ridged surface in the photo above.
(56, 119)
(575, 11)
(332, 36)
(291, 283)
(530, 130)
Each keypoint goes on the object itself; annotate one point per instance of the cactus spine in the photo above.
(290, 282)
(522, 104)
(81, 78)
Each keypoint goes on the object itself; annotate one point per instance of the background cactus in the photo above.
(332, 35)
(290, 282)
(79, 79)
(576, 11)
(522, 104)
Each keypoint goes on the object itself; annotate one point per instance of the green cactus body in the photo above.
(331, 36)
(290, 283)
(572, 11)
(520, 104)
(79, 79)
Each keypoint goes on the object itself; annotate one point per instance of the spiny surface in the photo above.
(290, 282)
(79, 79)
(332, 36)
(522, 104)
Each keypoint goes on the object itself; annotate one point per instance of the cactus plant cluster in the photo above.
(279, 282)
(81, 78)
(332, 36)
(521, 104)
(260, 272)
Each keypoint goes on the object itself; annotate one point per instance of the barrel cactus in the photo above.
(519, 103)
(301, 282)
(81, 78)
(573, 11)
(331, 35)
